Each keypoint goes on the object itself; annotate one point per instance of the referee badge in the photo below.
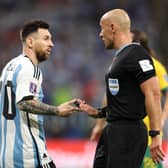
(145, 65)
(113, 85)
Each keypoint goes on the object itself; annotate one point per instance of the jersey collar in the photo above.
(124, 46)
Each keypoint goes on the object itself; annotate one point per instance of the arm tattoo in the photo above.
(37, 107)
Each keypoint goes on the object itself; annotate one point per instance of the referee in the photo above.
(132, 92)
(141, 37)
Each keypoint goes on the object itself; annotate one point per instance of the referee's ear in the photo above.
(112, 27)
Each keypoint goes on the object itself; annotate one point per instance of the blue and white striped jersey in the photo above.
(22, 139)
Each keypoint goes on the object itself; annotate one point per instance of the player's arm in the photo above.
(26, 100)
(100, 123)
(36, 107)
(151, 91)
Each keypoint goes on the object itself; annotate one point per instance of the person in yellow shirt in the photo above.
(140, 37)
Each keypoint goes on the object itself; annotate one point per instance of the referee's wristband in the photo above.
(153, 133)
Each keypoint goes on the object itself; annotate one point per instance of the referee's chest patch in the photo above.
(113, 85)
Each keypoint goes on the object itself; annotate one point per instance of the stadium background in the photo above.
(78, 61)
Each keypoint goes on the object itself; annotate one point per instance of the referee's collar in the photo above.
(124, 46)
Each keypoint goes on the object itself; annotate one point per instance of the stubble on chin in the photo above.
(110, 47)
(41, 57)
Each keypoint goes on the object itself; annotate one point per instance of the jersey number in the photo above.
(9, 110)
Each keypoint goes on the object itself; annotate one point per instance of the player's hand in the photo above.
(68, 108)
(156, 149)
(96, 132)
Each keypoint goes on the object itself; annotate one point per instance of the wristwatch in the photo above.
(153, 133)
(101, 112)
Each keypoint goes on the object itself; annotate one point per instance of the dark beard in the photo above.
(41, 56)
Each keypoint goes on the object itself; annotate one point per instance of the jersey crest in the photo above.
(33, 88)
(113, 85)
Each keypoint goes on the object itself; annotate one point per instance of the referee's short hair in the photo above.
(31, 27)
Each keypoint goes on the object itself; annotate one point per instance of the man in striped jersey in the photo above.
(22, 139)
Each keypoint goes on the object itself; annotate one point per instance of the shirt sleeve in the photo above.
(26, 83)
(140, 64)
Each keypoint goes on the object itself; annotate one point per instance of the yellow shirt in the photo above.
(163, 83)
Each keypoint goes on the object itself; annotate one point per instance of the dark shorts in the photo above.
(121, 145)
(48, 165)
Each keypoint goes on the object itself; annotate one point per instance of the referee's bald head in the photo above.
(119, 17)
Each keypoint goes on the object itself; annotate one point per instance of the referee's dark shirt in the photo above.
(130, 67)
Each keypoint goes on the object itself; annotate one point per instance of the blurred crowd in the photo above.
(78, 61)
